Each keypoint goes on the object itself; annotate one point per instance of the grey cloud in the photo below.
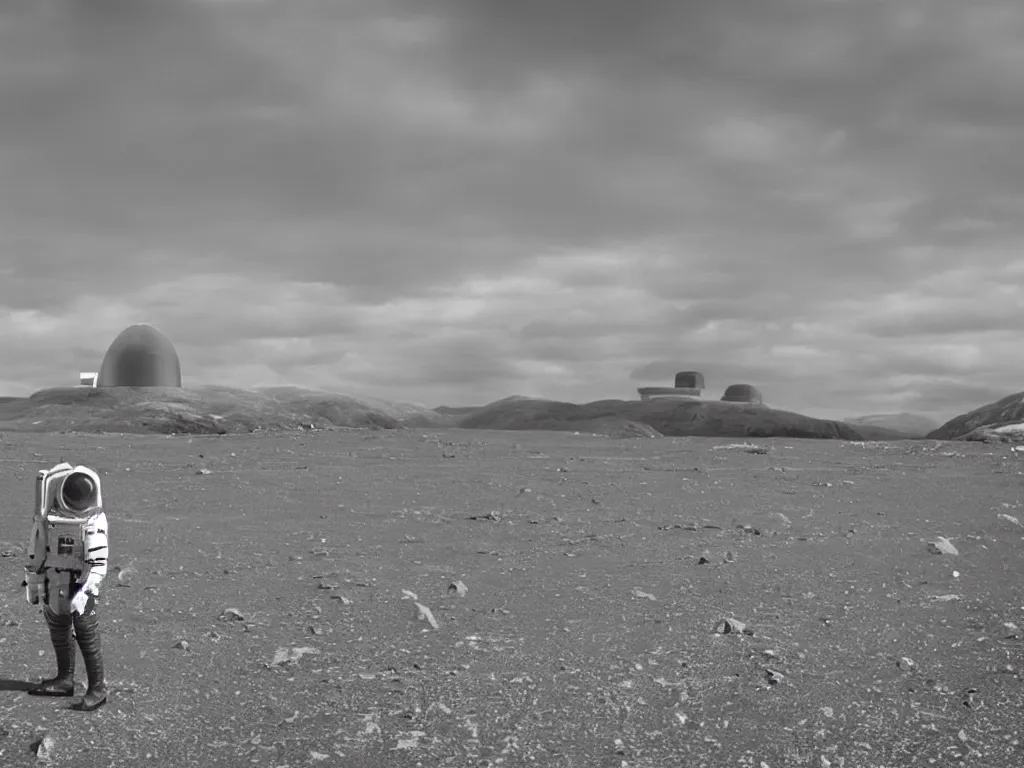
(947, 323)
(783, 159)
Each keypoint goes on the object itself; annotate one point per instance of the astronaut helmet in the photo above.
(79, 493)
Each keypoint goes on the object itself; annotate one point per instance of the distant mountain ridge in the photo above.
(910, 424)
(995, 421)
(676, 418)
(224, 410)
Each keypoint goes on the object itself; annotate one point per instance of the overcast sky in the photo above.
(452, 201)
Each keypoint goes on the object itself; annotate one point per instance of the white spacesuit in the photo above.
(67, 563)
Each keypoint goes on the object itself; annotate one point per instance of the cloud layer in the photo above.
(451, 201)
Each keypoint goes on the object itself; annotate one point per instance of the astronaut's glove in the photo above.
(79, 601)
(33, 584)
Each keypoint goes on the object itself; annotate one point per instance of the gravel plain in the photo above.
(472, 598)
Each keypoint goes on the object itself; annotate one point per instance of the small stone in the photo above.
(458, 588)
(232, 614)
(424, 614)
(202, 471)
(942, 546)
(283, 656)
(906, 663)
(732, 626)
(638, 593)
(44, 748)
(182, 645)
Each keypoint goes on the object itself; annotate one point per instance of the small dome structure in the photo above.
(688, 386)
(689, 380)
(742, 393)
(140, 356)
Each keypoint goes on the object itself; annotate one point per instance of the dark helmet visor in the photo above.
(78, 492)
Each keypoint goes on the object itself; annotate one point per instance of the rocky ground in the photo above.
(407, 598)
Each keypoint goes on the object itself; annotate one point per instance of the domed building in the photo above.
(690, 380)
(688, 386)
(140, 356)
(742, 393)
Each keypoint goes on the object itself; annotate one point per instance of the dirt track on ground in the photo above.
(586, 636)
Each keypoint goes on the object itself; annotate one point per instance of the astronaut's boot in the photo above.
(87, 631)
(60, 636)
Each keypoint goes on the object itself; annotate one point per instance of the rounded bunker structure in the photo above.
(689, 380)
(688, 386)
(742, 393)
(140, 356)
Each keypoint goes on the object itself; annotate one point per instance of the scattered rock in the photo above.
(942, 546)
(774, 676)
(491, 516)
(458, 588)
(182, 645)
(284, 656)
(423, 614)
(703, 561)
(749, 447)
(906, 663)
(232, 614)
(637, 592)
(732, 626)
(124, 575)
(1009, 518)
(202, 471)
(9, 549)
(45, 748)
(344, 600)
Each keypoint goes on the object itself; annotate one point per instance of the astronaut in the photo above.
(67, 564)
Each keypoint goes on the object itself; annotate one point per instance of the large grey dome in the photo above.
(140, 356)
(742, 393)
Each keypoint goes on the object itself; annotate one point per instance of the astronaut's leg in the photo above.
(60, 636)
(87, 630)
